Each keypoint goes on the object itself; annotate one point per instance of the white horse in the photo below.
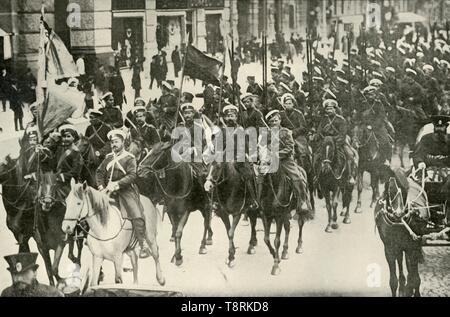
(110, 234)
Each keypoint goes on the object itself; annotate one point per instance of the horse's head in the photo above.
(157, 159)
(327, 153)
(396, 190)
(47, 191)
(76, 206)
(6, 167)
(369, 143)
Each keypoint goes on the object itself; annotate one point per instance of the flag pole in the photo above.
(177, 113)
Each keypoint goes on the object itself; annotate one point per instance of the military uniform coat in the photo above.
(69, 163)
(112, 116)
(296, 123)
(146, 134)
(169, 104)
(433, 151)
(335, 127)
(98, 137)
(122, 169)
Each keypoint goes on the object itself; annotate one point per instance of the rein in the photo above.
(79, 220)
(276, 196)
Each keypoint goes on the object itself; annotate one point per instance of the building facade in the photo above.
(274, 16)
(102, 29)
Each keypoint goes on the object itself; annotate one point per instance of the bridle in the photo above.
(80, 219)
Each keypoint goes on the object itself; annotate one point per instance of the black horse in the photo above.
(397, 227)
(332, 177)
(371, 160)
(18, 201)
(233, 199)
(162, 179)
(277, 202)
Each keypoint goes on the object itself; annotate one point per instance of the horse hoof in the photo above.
(161, 280)
(285, 256)
(299, 250)
(172, 239)
(276, 270)
(202, 250)
(342, 213)
(347, 220)
(328, 229)
(179, 261)
(334, 226)
(358, 210)
(209, 242)
(251, 250)
(230, 263)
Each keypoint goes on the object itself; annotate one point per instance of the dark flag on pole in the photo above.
(200, 66)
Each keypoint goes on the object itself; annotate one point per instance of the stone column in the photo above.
(93, 38)
(270, 20)
(231, 16)
(254, 18)
(25, 23)
(150, 45)
(201, 29)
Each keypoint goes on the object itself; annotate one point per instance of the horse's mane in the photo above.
(99, 201)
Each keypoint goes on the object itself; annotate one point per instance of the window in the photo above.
(128, 5)
(292, 17)
(342, 6)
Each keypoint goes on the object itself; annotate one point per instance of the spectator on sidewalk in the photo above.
(5, 86)
(16, 105)
(153, 70)
(176, 60)
(117, 86)
(136, 79)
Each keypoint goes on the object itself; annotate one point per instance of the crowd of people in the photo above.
(391, 85)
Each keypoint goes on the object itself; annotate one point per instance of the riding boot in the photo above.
(16, 125)
(21, 123)
(139, 229)
(303, 202)
(251, 188)
(351, 172)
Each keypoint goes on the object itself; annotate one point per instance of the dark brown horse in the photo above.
(19, 203)
(51, 211)
(233, 201)
(162, 179)
(277, 202)
(332, 177)
(397, 227)
(371, 160)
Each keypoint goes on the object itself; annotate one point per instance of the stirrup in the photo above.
(144, 253)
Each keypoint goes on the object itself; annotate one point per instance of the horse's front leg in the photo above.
(374, 182)
(134, 263)
(401, 275)
(301, 223)
(118, 260)
(253, 240)
(276, 265)
(329, 211)
(287, 230)
(231, 247)
(358, 208)
(57, 259)
(346, 199)
(96, 267)
(178, 234)
(206, 227)
(391, 259)
(334, 205)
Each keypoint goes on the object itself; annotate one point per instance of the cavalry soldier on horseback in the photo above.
(294, 120)
(130, 118)
(97, 134)
(335, 126)
(112, 115)
(287, 163)
(253, 87)
(142, 132)
(69, 161)
(33, 154)
(117, 175)
(166, 109)
(253, 117)
(373, 117)
(232, 130)
(190, 140)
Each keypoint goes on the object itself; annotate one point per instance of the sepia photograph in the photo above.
(224, 149)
